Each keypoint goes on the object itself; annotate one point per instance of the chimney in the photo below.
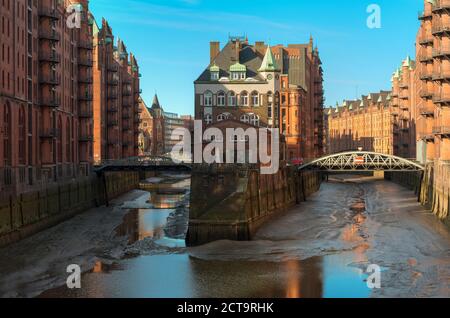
(260, 47)
(237, 50)
(214, 50)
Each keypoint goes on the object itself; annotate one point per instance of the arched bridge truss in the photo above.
(142, 163)
(362, 161)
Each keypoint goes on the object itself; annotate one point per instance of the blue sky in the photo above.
(170, 39)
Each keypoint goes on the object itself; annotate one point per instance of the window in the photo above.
(208, 119)
(221, 99)
(255, 99)
(244, 99)
(68, 138)
(223, 117)
(207, 99)
(231, 99)
(7, 135)
(22, 133)
(254, 120)
(245, 118)
(214, 76)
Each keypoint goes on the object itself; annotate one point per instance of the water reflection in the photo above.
(139, 224)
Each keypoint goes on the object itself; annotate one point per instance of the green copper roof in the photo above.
(268, 63)
(214, 68)
(237, 67)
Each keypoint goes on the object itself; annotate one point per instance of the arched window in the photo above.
(244, 99)
(254, 120)
(59, 141)
(221, 99)
(255, 99)
(7, 135)
(245, 118)
(208, 119)
(22, 133)
(231, 99)
(68, 139)
(207, 98)
(223, 117)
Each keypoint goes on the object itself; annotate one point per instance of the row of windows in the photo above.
(231, 99)
(252, 119)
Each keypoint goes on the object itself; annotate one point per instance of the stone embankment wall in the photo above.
(432, 187)
(29, 213)
(232, 202)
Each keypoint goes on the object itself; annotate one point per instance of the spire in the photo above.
(268, 63)
(155, 104)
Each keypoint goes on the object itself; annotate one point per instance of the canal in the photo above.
(321, 248)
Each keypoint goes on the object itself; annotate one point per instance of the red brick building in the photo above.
(45, 77)
(433, 76)
(116, 96)
(266, 86)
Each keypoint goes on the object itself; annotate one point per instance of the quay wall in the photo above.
(230, 202)
(432, 187)
(28, 213)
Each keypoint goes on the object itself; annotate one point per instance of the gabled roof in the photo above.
(268, 63)
(155, 103)
(248, 57)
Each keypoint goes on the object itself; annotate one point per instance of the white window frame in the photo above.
(207, 99)
(208, 119)
(232, 99)
(255, 99)
(245, 118)
(221, 98)
(244, 99)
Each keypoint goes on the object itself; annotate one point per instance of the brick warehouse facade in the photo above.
(116, 97)
(433, 52)
(46, 94)
(266, 87)
(383, 122)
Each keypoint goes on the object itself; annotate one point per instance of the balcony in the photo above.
(404, 96)
(126, 92)
(85, 79)
(112, 68)
(126, 103)
(112, 95)
(85, 45)
(125, 116)
(426, 76)
(49, 133)
(85, 97)
(440, 5)
(85, 137)
(441, 52)
(51, 35)
(47, 12)
(85, 113)
(49, 80)
(113, 81)
(426, 40)
(404, 107)
(403, 85)
(443, 131)
(85, 61)
(49, 56)
(441, 75)
(440, 28)
(441, 98)
(425, 94)
(426, 111)
(113, 123)
(113, 109)
(51, 101)
(425, 58)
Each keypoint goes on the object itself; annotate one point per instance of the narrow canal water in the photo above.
(321, 248)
